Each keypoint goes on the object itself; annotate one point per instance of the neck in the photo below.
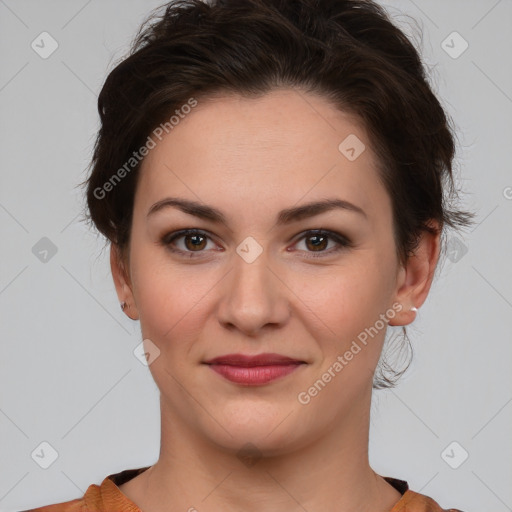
(331, 473)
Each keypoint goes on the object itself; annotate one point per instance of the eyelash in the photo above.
(344, 243)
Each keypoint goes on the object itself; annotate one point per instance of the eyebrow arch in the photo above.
(286, 216)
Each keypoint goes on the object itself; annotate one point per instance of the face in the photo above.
(255, 277)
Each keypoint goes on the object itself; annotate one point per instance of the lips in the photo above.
(255, 370)
(247, 361)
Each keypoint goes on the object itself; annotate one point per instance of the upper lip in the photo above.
(256, 360)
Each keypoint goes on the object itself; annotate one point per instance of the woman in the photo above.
(274, 178)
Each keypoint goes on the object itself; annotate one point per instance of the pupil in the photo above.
(195, 243)
(320, 239)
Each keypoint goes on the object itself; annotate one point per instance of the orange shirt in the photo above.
(107, 497)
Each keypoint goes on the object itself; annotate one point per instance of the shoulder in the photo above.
(415, 502)
(77, 505)
(91, 501)
(105, 497)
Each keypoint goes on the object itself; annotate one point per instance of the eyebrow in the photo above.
(286, 216)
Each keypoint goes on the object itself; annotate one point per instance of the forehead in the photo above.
(281, 146)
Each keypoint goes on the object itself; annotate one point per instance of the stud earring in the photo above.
(123, 305)
(414, 309)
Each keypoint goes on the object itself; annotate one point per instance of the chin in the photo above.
(251, 429)
(250, 445)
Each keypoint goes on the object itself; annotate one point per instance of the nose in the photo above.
(254, 297)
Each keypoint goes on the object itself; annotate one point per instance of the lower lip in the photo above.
(254, 375)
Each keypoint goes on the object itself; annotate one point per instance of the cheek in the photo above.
(353, 304)
(351, 294)
(170, 299)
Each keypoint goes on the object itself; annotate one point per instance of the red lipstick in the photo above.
(253, 370)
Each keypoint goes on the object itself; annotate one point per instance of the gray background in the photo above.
(68, 375)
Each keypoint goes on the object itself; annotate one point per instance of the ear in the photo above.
(415, 278)
(122, 281)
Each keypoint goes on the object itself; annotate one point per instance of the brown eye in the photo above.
(187, 242)
(317, 241)
(193, 242)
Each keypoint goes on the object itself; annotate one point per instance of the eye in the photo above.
(194, 241)
(317, 240)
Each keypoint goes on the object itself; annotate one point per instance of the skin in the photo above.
(251, 158)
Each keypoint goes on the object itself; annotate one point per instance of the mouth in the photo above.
(254, 370)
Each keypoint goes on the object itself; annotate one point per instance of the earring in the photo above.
(123, 305)
(414, 309)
